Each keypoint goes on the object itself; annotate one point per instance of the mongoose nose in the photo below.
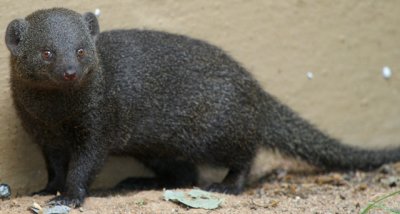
(70, 74)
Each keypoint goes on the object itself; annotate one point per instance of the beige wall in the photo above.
(345, 43)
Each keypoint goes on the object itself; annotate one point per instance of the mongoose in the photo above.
(170, 101)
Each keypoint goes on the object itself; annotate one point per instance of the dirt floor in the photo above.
(285, 190)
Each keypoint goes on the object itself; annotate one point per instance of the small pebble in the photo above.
(310, 75)
(391, 181)
(386, 72)
(97, 12)
(362, 187)
(5, 191)
(387, 169)
(281, 173)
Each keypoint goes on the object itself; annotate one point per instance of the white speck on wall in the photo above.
(386, 72)
(97, 12)
(310, 75)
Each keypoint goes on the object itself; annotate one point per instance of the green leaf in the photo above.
(195, 199)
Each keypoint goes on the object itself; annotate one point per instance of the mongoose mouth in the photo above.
(70, 75)
(75, 79)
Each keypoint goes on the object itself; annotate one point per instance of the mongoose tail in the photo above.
(294, 136)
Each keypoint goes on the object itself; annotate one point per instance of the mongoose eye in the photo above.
(46, 55)
(80, 52)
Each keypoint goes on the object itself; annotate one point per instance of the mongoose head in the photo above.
(53, 47)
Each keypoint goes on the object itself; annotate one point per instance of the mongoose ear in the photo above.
(15, 34)
(92, 24)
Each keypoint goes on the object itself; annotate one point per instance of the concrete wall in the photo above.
(344, 43)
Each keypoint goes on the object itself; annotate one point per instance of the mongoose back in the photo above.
(168, 100)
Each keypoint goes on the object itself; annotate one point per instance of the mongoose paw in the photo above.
(223, 188)
(67, 201)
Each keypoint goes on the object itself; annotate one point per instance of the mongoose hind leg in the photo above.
(233, 182)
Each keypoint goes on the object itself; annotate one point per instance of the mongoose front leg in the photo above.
(86, 160)
(57, 165)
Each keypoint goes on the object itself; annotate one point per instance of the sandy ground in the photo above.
(292, 190)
